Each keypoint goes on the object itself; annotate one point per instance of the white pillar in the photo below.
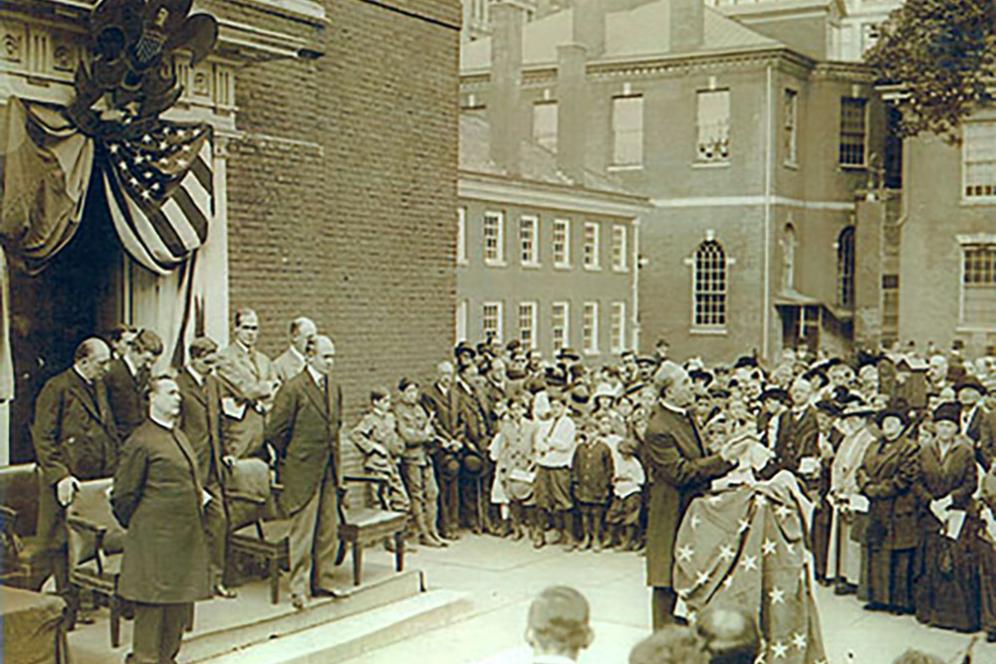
(214, 269)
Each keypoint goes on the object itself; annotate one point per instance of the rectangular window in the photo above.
(591, 246)
(461, 321)
(491, 322)
(461, 252)
(714, 125)
(529, 248)
(545, 124)
(562, 243)
(627, 130)
(560, 325)
(790, 127)
(589, 328)
(619, 256)
(978, 294)
(494, 237)
(527, 324)
(979, 156)
(618, 335)
(853, 130)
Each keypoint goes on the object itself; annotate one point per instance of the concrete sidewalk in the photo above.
(502, 577)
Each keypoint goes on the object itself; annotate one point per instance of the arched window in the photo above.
(710, 285)
(845, 268)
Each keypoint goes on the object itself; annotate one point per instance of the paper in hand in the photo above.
(954, 523)
(232, 408)
(858, 503)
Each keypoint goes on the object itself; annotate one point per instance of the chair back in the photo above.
(92, 505)
(19, 491)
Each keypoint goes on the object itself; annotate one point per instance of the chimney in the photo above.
(589, 25)
(503, 111)
(571, 109)
(686, 25)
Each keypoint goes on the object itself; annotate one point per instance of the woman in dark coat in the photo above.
(886, 477)
(947, 585)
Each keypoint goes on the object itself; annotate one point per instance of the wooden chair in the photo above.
(96, 548)
(24, 560)
(363, 526)
(266, 538)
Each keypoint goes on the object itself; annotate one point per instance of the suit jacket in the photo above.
(304, 429)
(288, 365)
(796, 439)
(158, 497)
(680, 469)
(247, 378)
(982, 431)
(472, 416)
(445, 408)
(200, 422)
(73, 434)
(125, 393)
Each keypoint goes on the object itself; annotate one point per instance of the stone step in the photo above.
(355, 635)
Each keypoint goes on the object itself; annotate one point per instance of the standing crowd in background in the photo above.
(896, 450)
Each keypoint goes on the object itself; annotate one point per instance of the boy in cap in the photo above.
(376, 437)
(553, 447)
(558, 628)
(591, 479)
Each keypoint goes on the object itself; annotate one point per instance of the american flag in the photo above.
(160, 193)
(745, 548)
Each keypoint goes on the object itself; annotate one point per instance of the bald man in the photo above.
(75, 439)
(292, 361)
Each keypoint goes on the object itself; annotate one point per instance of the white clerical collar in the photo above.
(199, 379)
(317, 377)
(132, 369)
(673, 408)
(245, 349)
(163, 423)
(296, 353)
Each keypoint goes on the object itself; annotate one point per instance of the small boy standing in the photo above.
(553, 448)
(627, 487)
(376, 436)
(591, 481)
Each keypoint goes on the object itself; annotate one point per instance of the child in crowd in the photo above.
(376, 436)
(627, 485)
(553, 448)
(591, 480)
(515, 471)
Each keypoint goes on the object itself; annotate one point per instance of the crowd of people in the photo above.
(895, 449)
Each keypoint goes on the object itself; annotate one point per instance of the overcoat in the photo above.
(125, 394)
(158, 497)
(886, 477)
(304, 429)
(200, 422)
(797, 438)
(73, 434)
(982, 430)
(289, 364)
(445, 406)
(680, 470)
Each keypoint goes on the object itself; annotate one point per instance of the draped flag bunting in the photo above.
(745, 548)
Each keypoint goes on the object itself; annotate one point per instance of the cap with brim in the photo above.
(464, 349)
(948, 411)
(970, 383)
(892, 411)
(472, 463)
(568, 354)
(857, 408)
(449, 465)
(719, 392)
(828, 407)
(701, 374)
(745, 361)
(646, 360)
(776, 393)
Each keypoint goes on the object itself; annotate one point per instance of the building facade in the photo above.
(334, 166)
(750, 150)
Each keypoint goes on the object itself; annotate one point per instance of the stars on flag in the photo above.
(728, 582)
(777, 595)
(760, 500)
(799, 641)
(163, 145)
(146, 194)
(714, 499)
(683, 593)
(749, 563)
(147, 175)
(147, 138)
(779, 650)
(122, 165)
(726, 552)
(789, 548)
(702, 578)
(685, 553)
(114, 148)
(696, 520)
(182, 163)
(769, 547)
(744, 525)
(133, 182)
(783, 511)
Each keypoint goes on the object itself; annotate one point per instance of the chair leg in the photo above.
(189, 627)
(115, 621)
(340, 555)
(274, 580)
(399, 551)
(357, 562)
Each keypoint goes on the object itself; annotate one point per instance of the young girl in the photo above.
(627, 485)
(514, 466)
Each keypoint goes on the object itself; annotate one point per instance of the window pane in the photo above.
(619, 247)
(493, 236)
(591, 245)
(627, 130)
(545, 124)
(527, 239)
(710, 285)
(561, 242)
(979, 154)
(790, 112)
(714, 125)
(852, 131)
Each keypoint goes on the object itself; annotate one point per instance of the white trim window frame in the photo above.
(712, 126)
(620, 241)
(591, 246)
(617, 341)
(791, 127)
(977, 281)
(493, 238)
(627, 132)
(528, 324)
(560, 324)
(978, 162)
(492, 311)
(461, 320)
(461, 249)
(545, 124)
(589, 328)
(529, 240)
(561, 250)
(848, 147)
(710, 285)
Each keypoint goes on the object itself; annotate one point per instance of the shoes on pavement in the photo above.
(327, 592)
(426, 540)
(221, 590)
(298, 602)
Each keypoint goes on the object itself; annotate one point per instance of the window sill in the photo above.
(495, 263)
(462, 262)
(624, 167)
(620, 270)
(563, 266)
(975, 329)
(711, 331)
(593, 268)
(531, 265)
(852, 167)
(980, 201)
(719, 163)
(791, 165)
(592, 352)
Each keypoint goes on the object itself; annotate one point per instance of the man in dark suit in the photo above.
(472, 427)
(440, 401)
(200, 423)
(976, 420)
(126, 381)
(74, 439)
(159, 498)
(797, 434)
(680, 470)
(304, 430)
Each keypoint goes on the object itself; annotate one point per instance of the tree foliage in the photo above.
(942, 53)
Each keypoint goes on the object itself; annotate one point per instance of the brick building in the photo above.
(750, 141)
(334, 166)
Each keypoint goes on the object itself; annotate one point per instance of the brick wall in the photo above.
(343, 189)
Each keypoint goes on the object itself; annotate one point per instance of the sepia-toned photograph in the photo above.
(498, 331)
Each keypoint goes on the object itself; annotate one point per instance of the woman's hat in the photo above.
(948, 411)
